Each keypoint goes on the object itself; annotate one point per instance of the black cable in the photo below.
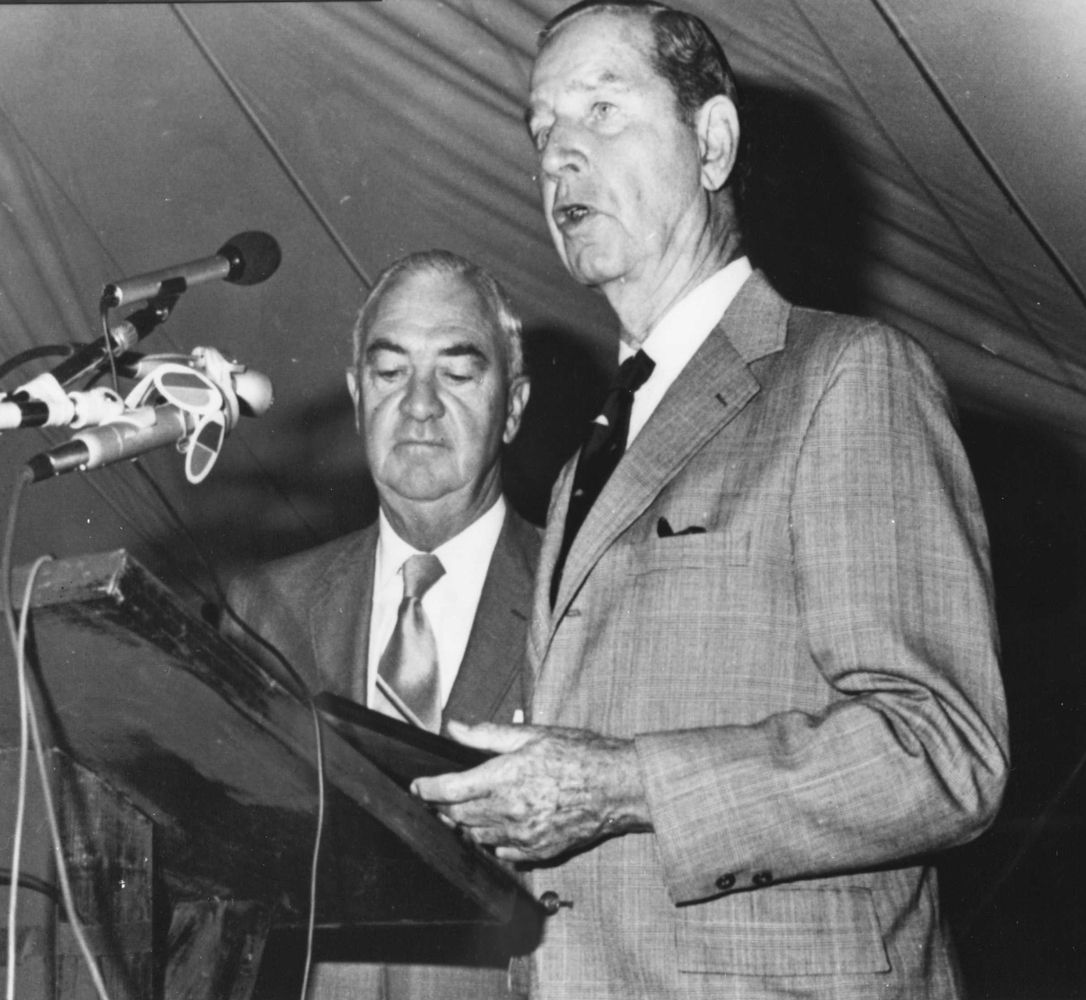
(35, 884)
(107, 337)
(17, 636)
(33, 353)
(303, 691)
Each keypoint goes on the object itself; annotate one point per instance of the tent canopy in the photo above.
(914, 161)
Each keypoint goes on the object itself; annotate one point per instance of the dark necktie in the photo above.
(409, 662)
(601, 452)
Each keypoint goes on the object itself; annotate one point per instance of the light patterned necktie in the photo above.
(409, 662)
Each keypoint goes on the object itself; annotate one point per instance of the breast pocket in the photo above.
(686, 573)
(684, 603)
(702, 551)
(690, 581)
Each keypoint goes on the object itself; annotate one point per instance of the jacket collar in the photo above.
(493, 659)
(713, 388)
(339, 622)
(339, 617)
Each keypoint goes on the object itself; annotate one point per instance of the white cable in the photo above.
(50, 812)
(311, 925)
(20, 802)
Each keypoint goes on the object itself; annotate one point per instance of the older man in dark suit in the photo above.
(423, 614)
(763, 648)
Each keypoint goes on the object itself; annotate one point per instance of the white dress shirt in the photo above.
(680, 332)
(449, 604)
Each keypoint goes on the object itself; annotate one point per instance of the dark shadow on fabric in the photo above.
(321, 469)
(568, 385)
(1016, 897)
(800, 200)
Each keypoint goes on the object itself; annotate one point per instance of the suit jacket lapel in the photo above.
(493, 659)
(710, 391)
(339, 617)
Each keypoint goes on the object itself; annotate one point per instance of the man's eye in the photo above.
(603, 109)
(386, 374)
(540, 138)
(459, 377)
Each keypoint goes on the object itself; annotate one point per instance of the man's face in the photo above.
(619, 171)
(432, 399)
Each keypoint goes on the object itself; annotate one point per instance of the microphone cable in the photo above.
(17, 637)
(33, 353)
(302, 690)
(27, 714)
(107, 339)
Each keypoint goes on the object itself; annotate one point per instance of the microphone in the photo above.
(245, 259)
(57, 409)
(92, 357)
(200, 398)
(253, 389)
(24, 413)
(138, 431)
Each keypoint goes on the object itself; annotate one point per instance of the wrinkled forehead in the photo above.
(592, 45)
(433, 311)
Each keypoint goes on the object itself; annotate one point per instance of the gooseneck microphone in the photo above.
(245, 259)
(138, 431)
(123, 336)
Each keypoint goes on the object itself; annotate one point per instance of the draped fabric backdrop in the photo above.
(915, 160)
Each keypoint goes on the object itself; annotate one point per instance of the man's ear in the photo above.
(717, 126)
(519, 391)
(352, 388)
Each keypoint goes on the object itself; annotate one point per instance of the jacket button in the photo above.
(551, 902)
(725, 882)
(763, 878)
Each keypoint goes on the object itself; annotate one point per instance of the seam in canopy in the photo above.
(277, 154)
(978, 149)
(1069, 380)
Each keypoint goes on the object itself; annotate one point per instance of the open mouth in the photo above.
(570, 215)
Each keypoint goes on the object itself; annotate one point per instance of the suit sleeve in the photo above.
(893, 590)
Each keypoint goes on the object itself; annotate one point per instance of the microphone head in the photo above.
(253, 257)
(254, 392)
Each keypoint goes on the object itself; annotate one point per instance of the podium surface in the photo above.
(221, 756)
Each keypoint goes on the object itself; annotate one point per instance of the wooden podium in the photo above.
(189, 788)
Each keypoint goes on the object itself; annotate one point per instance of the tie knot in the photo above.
(420, 573)
(634, 372)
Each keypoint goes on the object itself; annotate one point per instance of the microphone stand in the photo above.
(126, 336)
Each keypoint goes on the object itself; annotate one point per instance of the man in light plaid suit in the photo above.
(765, 681)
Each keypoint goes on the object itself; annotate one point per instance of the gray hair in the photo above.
(684, 51)
(687, 56)
(495, 300)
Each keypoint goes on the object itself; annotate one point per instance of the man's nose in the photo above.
(565, 150)
(421, 401)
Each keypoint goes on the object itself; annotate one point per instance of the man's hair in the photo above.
(684, 51)
(496, 303)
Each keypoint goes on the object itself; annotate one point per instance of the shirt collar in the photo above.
(393, 551)
(676, 337)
